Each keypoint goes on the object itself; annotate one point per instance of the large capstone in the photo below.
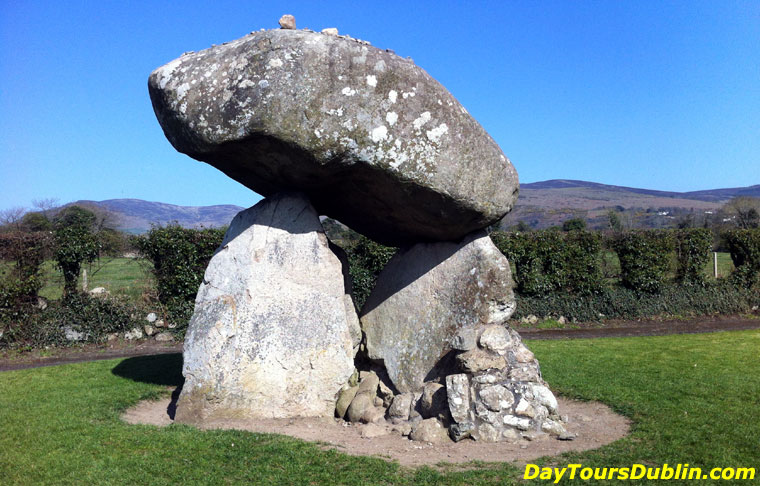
(428, 297)
(272, 333)
(372, 139)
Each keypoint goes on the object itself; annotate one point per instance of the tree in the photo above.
(75, 244)
(613, 221)
(685, 222)
(76, 216)
(36, 221)
(744, 211)
(523, 227)
(45, 205)
(11, 217)
(574, 224)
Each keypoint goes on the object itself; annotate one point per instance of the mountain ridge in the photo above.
(702, 195)
(541, 204)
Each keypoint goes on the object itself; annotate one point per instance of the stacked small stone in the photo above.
(500, 393)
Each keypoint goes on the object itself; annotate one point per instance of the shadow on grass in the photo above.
(162, 369)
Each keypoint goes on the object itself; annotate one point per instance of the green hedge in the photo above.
(719, 297)
(21, 281)
(179, 256)
(549, 261)
(693, 247)
(93, 318)
(366, 259)
(744, 246)
(559, 274)
(645, 258)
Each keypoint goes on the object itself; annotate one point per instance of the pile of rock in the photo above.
(500, 394)
(323, 124)
(497, 395)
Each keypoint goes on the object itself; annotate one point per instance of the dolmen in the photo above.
(323, 124)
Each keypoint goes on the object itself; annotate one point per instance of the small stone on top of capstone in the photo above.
(330, 31)
(288, 22)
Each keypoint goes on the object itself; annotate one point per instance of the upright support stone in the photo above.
(271, 334)
(425, 296)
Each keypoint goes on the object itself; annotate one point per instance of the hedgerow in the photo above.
(744, 246)
(645, 258)
(76, 318)
(179, 256)
(550, 261)
(693, 248)
(26, 252)
(712, 298)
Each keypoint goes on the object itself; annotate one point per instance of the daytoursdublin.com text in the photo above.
(636, 471)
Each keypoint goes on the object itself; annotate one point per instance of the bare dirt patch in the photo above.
(594, 423)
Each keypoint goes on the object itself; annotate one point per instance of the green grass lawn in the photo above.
(693, 399)
(125, 276)
(611, 266)
(725, 265)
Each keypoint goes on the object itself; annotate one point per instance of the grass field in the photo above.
(126, 276)
(611, 266)
(693, 399)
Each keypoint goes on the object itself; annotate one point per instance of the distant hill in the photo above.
(713, 195)
(549, 203)
(541, 204)
(137, 216)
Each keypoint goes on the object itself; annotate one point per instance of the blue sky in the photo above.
(655, 94)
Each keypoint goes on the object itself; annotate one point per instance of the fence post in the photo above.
(715, 264)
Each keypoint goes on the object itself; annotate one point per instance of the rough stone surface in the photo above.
(164, 337)
(401, 406)
(479, 360)
(385, 394)
(99, 292)
(498, 403)
(134, 333)
(287, 22)
(425, 295)
(72, 334)
(360, 406)
(434, 402)
(374, 415)
(270, 334)
(363, 407)
(345, 398)
(545, 397)
(458, 391)
(459, 431)
(369, 384)
(429, 430)
(465, 339)
(496, 338)
(371, 138)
